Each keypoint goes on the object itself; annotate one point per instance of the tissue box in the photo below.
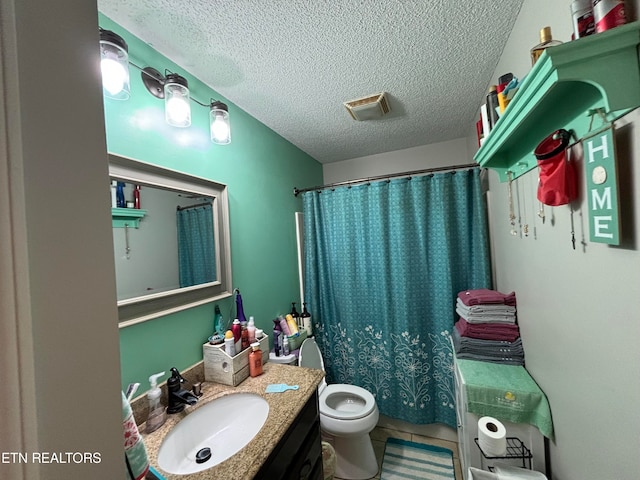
(221, 368)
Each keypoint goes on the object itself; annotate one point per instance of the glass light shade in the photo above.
(177, 109)
(114, 64)
(219, 121)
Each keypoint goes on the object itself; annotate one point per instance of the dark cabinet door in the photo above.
(298, 455)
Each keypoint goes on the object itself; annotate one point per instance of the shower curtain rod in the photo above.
(467, 166)
(179, 208)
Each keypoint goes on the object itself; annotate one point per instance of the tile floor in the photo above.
(379, 437)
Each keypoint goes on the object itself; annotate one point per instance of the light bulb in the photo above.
(114, 65)
(176, 101)
(114, 76)
(220, 130)
(178, 112)
(219, 123)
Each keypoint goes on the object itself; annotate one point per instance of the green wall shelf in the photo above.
(566, 81)
(127, 216)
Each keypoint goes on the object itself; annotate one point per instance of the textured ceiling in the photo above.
(292, 63)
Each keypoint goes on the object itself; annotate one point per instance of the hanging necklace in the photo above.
(540, 206)
(573, 231)
(532, 189)
(525, 228)
(512, 215)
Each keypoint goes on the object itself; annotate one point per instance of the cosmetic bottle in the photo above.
(241, 317)
(293, 328)
(284, 327)
(285, 346)
(114, 199)
(244, 337)
(503, 81)
(546, 41)
(157, 415)
(120, 195)
(306, 320)
(229, 344)
(251, 328)
(236, 328)
(136, 196)
(493, 105)
(582, 15)
(218, 321)
(608, 14)
(277, 331)
(255, 360)
(296, 316)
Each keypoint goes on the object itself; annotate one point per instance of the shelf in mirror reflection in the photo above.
(130, 217)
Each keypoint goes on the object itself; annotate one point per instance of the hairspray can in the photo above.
(582, 15)
(608, 14)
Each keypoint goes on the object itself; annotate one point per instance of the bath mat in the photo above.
(410, 460)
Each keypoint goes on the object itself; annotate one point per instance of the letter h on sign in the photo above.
(602, 188)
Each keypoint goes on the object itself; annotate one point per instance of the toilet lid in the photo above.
(310, 356)
(346, 414)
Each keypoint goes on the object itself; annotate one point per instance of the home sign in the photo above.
(602, 187)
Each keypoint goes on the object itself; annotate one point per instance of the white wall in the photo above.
(443, 154)
(61, 384)
(579, 324)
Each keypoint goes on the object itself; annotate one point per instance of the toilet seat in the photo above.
(340, 396)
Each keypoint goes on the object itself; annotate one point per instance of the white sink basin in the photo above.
(224, 426)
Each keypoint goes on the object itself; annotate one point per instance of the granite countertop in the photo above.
(283, 409)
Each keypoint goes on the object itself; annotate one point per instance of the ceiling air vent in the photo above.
(368, 108)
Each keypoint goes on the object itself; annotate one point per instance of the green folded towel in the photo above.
(506, 392)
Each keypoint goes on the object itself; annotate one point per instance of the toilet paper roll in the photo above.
(492, 437)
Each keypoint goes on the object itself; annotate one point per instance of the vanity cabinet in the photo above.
(298, 455)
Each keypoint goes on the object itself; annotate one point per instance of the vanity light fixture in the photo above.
(171, 87)
(177, 110)
(174, 89)
(114, 64)
(219, 122)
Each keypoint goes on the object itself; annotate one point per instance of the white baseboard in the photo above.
(434, 430)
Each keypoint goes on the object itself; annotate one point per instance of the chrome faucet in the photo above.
(177, 396)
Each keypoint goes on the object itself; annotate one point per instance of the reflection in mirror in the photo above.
(172, 252)
(172, 246)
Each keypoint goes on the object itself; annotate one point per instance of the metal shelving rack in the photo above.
(516, 449)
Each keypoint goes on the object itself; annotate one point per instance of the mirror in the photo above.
(173, 252)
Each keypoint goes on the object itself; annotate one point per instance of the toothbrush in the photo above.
(131, 390)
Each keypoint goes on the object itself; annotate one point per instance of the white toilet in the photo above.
(347, 414)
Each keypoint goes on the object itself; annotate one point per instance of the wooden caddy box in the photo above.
(221, 368)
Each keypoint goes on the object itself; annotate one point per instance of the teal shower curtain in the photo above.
(383, 264)
(196, 247)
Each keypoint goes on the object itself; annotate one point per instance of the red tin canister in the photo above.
(608, 14)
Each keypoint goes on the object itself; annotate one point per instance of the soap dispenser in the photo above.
(157, 414)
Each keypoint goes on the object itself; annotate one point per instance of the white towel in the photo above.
(486, 317)
(486, 308)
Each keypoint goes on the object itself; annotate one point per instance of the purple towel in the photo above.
(488, 331)
(484, 295)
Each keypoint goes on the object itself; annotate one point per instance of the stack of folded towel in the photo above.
(487, 328)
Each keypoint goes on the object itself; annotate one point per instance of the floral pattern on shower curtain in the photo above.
(383, 264)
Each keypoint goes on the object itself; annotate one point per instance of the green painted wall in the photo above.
(259, 167)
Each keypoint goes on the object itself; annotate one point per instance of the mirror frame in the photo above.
(146, 307)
